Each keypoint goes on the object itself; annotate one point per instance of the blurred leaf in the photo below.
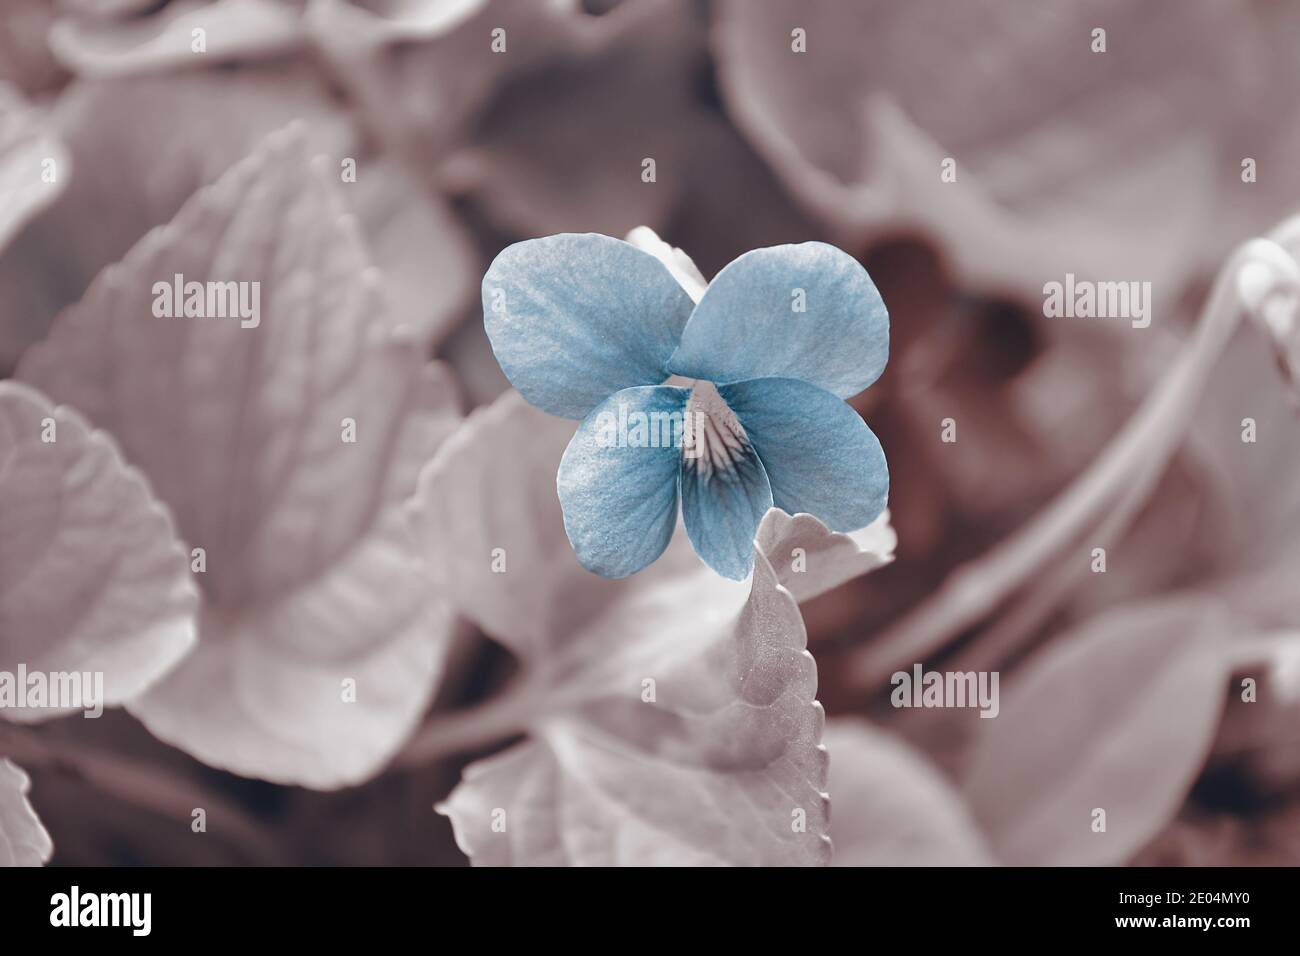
(92, 577)
(132, 173)
(100, 47)
(613, 91)
(1117, 715)
(1103, 163)
(27, 143)
(23, 841)
(25, 58)
(370, 23)
(891, 807)
(239, 431)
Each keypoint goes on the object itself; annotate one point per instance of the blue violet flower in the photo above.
(727, 397)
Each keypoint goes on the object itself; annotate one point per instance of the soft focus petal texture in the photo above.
(821, 458)
(620, 503)
(807, 311)
(811, 559)
(721, 508)
(716, 770)
(574, 318)
(249, 479)
(92, 577)
(891, 807)
(23, 841)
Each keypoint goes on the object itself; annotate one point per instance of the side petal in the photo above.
(821, 458)
(618, 491)
(807, 311)
(724, 496)
(574, 318)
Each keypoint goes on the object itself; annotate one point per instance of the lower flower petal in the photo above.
(821, 458)
(618, 479)
(724, 487)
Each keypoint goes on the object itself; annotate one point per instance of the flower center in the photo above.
(713, 440)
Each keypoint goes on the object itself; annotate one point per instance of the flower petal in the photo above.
(620, 503)
(725, 493)
(821, 458)
(574, 318)
(807, 311)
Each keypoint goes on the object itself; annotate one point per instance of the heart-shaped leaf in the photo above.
(92, 577)
(284, 445)
(1116, 717)
(128, 185)
(891, 807)
(671, 714)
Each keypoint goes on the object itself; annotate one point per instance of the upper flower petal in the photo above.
(807, 311)
(620, 499)
(821, 458)
(574, 318)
